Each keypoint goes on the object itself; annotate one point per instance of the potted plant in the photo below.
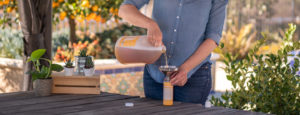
(89, 67)
(80, 61)
(69, 68)
(41, 74)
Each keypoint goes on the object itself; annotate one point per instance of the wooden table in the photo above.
(25, 103)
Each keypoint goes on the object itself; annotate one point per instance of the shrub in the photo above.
(11, 43)
(264, 82)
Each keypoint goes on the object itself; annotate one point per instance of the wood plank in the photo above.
(140, 106)
(186, 110)
(82, 101)
(76, 90)
(241, 112)
(209, 111)
(16, 96)
(107, 108)
(76, 81)
(105, 103)
(55, 98)
(86, 107)
(150, 109)
(75, 76)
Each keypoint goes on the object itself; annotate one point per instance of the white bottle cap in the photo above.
(207, 104)
(128, 104)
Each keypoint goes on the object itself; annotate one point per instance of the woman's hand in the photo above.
(154, 34)
(179, 78)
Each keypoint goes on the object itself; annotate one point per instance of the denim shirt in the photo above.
(185, 24)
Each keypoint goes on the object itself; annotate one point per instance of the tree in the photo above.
(80, 10)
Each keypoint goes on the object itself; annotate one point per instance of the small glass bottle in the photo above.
(168, 92)
(168, 87)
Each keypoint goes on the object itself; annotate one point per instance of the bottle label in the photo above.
(128, 42)
(168, 91)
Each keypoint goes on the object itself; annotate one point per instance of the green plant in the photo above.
(89, 63)
(11, 43)
(42, 71)
(60, 39)
(82, 53)
(264, 82)
(69, 63)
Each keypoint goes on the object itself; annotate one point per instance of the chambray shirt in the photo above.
(185, 24)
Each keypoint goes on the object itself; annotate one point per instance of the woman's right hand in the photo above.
(154, 35)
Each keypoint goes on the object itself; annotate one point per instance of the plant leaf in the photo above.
(37, 54)
(56, 67)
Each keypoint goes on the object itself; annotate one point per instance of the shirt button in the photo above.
(180, 4)
(169, 56)
(172, 42)
(175, 30)
(177, 17)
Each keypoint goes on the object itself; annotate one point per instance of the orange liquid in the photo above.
(168, 94)
(130, 55)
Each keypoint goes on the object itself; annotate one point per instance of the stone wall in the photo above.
(10, 75)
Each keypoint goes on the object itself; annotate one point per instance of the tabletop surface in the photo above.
(26, 103)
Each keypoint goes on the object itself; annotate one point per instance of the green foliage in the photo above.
(36, 55)
(11, 43)
(61, 39)
(82, 53)
(42, 71)
(89, 62)
(265, 82)
(69, 63)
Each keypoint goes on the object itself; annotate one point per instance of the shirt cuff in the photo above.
(215, 37)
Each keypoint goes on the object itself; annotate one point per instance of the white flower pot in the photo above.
(89, 72)
(69, 71)
(79, 64)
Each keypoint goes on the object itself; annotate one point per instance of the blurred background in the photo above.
(95, 25)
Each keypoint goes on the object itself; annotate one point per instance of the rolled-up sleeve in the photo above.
(137, 3)
(216, 20)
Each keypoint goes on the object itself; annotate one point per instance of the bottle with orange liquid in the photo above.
(168, 87)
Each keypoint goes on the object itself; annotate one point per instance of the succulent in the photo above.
(69, 64)
(82, 53)
(89, 63)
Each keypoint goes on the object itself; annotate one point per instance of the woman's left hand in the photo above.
(179, 78)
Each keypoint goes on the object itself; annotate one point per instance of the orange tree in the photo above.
(80, 10)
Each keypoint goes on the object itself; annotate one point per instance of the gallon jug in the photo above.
(137, 49)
